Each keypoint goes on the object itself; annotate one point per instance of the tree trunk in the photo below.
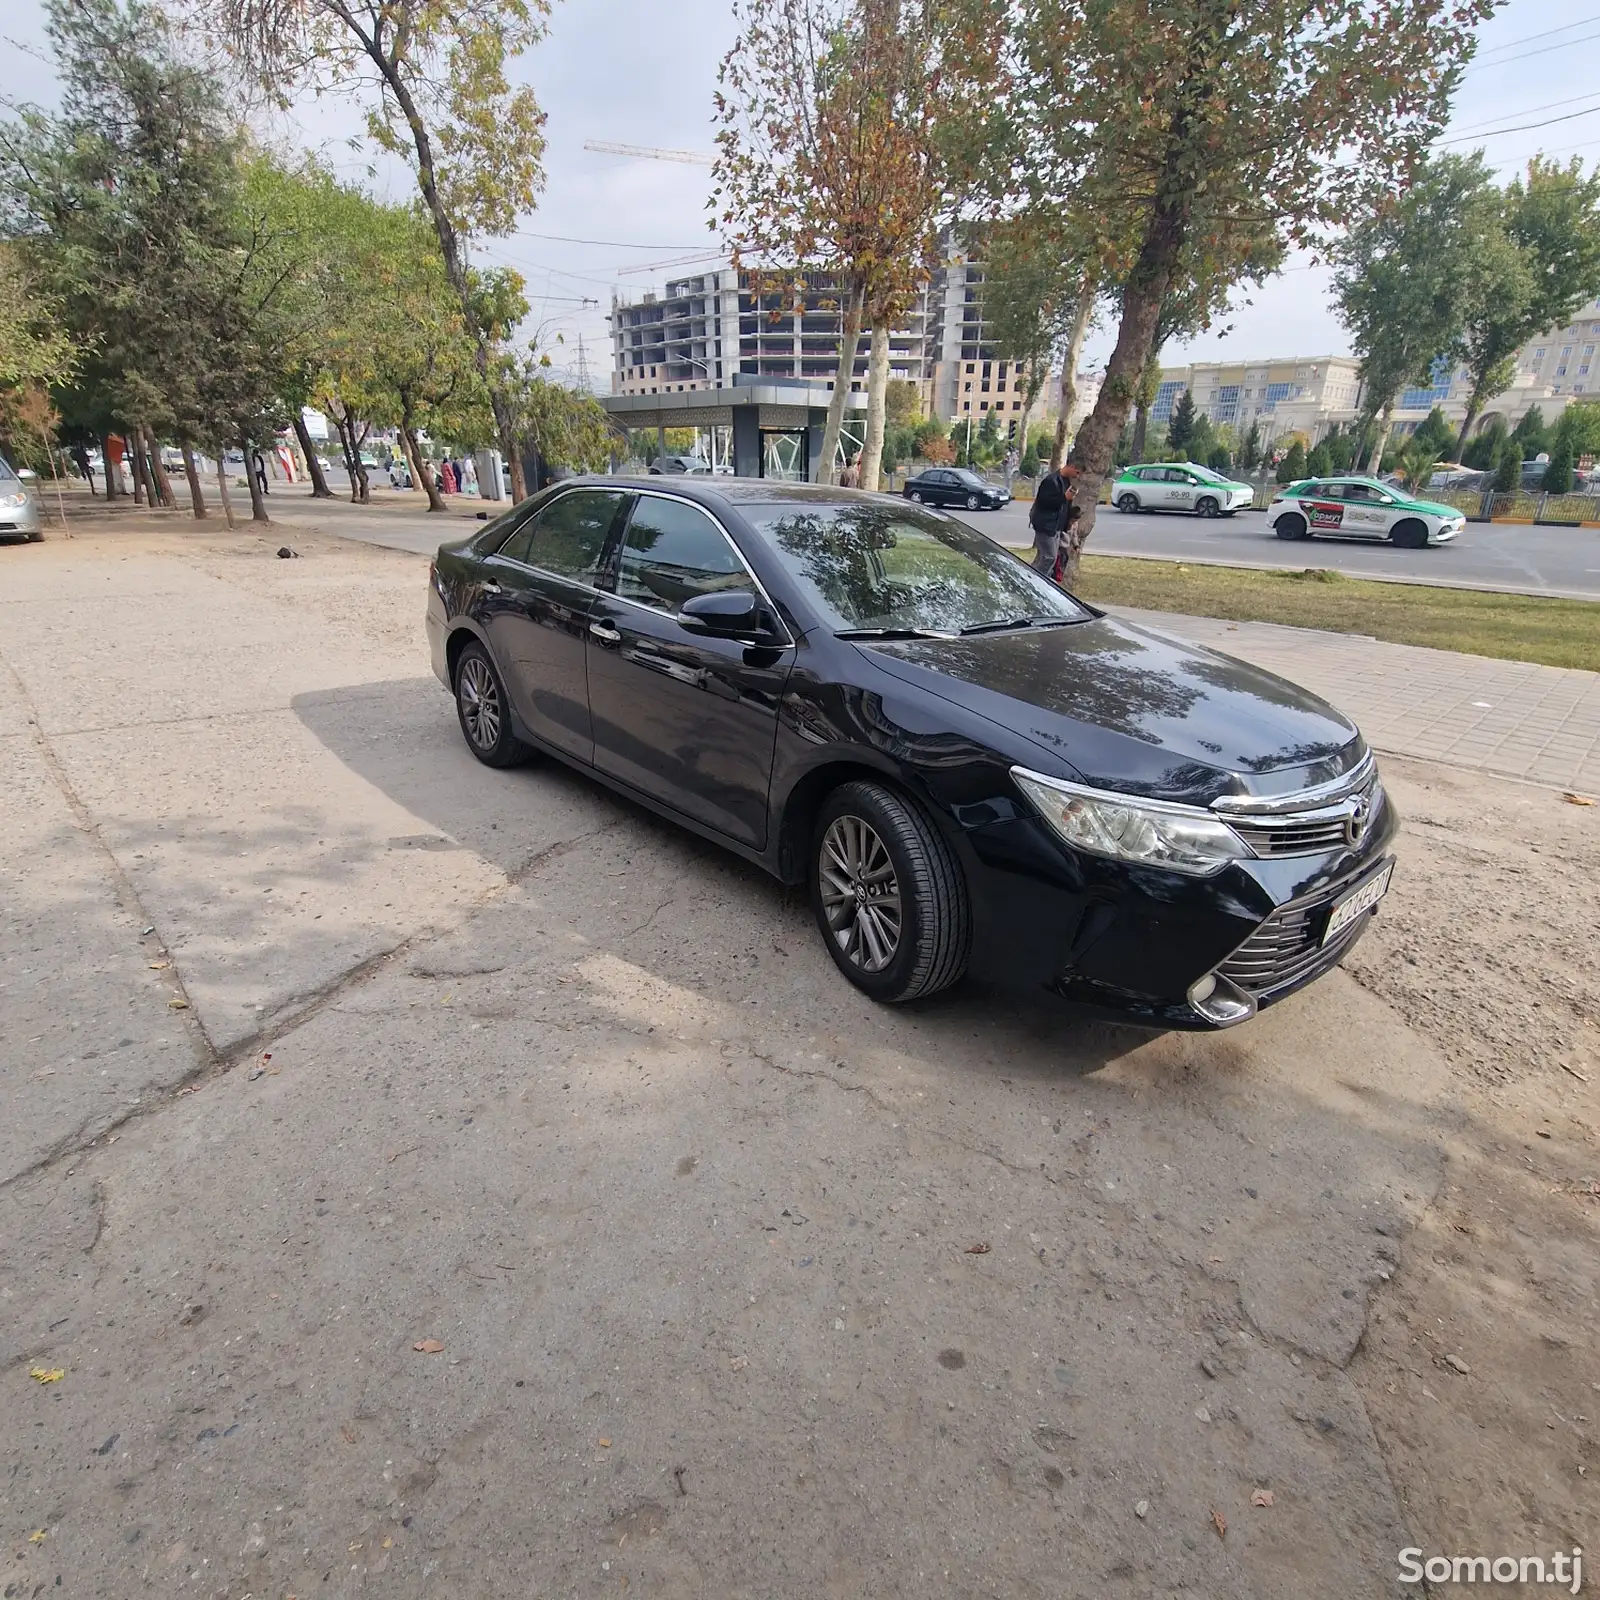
(144, 488)
(419, 474)
(319, 481)
(196, 499)
(877, 390)
(364, 488)
(222, 485)
(1096, 444)
(108, 467)
(850, 336)
(1141, 429)
(1381, 443)
(159, 470)
(258, 501)
(1474, 407)
(1082, 313)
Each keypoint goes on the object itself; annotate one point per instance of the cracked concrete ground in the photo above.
(744, 1286)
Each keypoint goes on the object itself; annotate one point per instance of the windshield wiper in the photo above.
(892, 633)
(1000, 624)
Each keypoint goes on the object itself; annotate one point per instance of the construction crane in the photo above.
(692, 158)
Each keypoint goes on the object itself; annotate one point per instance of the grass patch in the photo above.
(1514, 627)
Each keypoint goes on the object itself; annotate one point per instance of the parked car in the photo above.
(955, 486)
(1361, 508)
(971, 770)
(19, 509)
(670, 464)
(1179, 486)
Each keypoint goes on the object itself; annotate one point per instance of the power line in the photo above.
(1566, 27)
(1544, 50)
(1572, 100)
(1521, 127)
(604, 244)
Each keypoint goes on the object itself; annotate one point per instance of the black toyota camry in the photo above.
(970, 769)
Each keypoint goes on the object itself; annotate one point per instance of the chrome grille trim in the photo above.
(1329, 817)
(1286, 948)
(1356, 780)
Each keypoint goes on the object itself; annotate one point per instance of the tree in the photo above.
(1436, 432)
(902, 401)
(1508, 473)
(1293, 466)
(566, 428)
(1319, 464)
(435, 76)
(1530, 435)
(1180, 427)
(829, 158)
(1220, 459)
(1250, 451)
(1538, 264)
(1265, 116)
(1558, 474)
(1485, 447)
(1408, 278)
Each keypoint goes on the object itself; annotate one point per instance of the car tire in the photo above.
(1410, 534)
(972, 502)
(484, 711)
(914, 496)
(1292, 526)
(1205, 506)
(1128, 502)
(918, 935)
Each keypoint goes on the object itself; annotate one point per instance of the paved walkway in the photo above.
(1511, 717)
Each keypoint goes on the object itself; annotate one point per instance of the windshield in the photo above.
(877, 567)
(969, 477)
(6, 474)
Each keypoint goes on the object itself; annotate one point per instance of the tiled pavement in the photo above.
(1513, 717)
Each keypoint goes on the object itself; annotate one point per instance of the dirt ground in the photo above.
(318, 1043)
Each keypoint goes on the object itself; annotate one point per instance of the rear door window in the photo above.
(568, 536)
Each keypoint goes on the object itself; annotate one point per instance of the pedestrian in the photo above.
(468, 481)
(259, 462)
(850, 478)
(1012, 462)
(80, 459)
(447, 474)
(1049, 516)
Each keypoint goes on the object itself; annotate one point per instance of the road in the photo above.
(1496, 556)
(1488, 555)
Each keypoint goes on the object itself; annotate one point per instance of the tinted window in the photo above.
(568, 536)
(508, 535)
(674, 552)
(881, 567)
(6, 474)
(1364, 491)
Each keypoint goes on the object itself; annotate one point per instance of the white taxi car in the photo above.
(1361, 508)
(1179, 486)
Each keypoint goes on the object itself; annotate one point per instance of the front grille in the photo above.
(1286, 948)
(1310, 832)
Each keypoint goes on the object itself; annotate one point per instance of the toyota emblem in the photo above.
(1355, 825)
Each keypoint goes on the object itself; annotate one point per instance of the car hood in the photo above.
(1127, 708)
(1432, 507)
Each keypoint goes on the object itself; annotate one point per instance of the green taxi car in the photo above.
(1179, 486)
(1361, 508)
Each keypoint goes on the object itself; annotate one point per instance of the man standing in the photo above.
(1012, 462)
(1049, 516)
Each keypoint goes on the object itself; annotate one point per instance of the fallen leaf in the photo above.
(355, 1547)
(177, 1005)
(1261, 1497)
(977, 1249)
(39, 1537)
(349, 1434)
(388, 1544)
(1577, 799)
(47, 1374)
(429, 1347)
(1220, 1523)
(605, 1444)
(159, 966)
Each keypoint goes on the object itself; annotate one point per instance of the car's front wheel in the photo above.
(1410, 534)
(1127, 502)
(1205, 506)
(484, 712)
(1292, 526)
(888, 894)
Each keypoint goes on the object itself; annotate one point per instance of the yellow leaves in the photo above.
(47, 1374)
(429, 1347)
(38, 1537)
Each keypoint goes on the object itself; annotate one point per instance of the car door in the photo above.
(536, 609)
(690, 720)
(1182, 488)
(1368, 511)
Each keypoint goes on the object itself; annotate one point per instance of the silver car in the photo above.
(19, 510)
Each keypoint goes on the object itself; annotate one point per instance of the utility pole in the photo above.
(583, 367)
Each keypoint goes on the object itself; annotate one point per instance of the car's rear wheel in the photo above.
(484, 712)
(1292, 526)
(1410, 534)
(972, 502)
(888, 894)
(1205, 506)
(1127, 502)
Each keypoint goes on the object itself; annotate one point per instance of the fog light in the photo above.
(1203, 990)
(1220, 1002)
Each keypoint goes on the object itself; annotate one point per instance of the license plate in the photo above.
(1360, 900)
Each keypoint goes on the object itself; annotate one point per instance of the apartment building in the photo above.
(1259, 393)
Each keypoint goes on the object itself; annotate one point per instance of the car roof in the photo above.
(727, 490)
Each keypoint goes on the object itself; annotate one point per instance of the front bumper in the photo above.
(21, 522)
(1135, 942)
(1445, 533)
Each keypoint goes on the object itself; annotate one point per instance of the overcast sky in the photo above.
(638, 72)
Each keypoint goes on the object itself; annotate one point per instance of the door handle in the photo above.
(605, 633)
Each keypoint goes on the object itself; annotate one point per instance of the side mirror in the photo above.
(726, 614)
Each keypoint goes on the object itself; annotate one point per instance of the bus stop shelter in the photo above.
(762, 428)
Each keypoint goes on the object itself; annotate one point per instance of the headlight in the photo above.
(1147, 832)
(13, 500)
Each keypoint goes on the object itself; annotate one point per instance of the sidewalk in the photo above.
(1525, 721)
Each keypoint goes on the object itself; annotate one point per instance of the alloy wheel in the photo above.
(480, 702)
(860, 893)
